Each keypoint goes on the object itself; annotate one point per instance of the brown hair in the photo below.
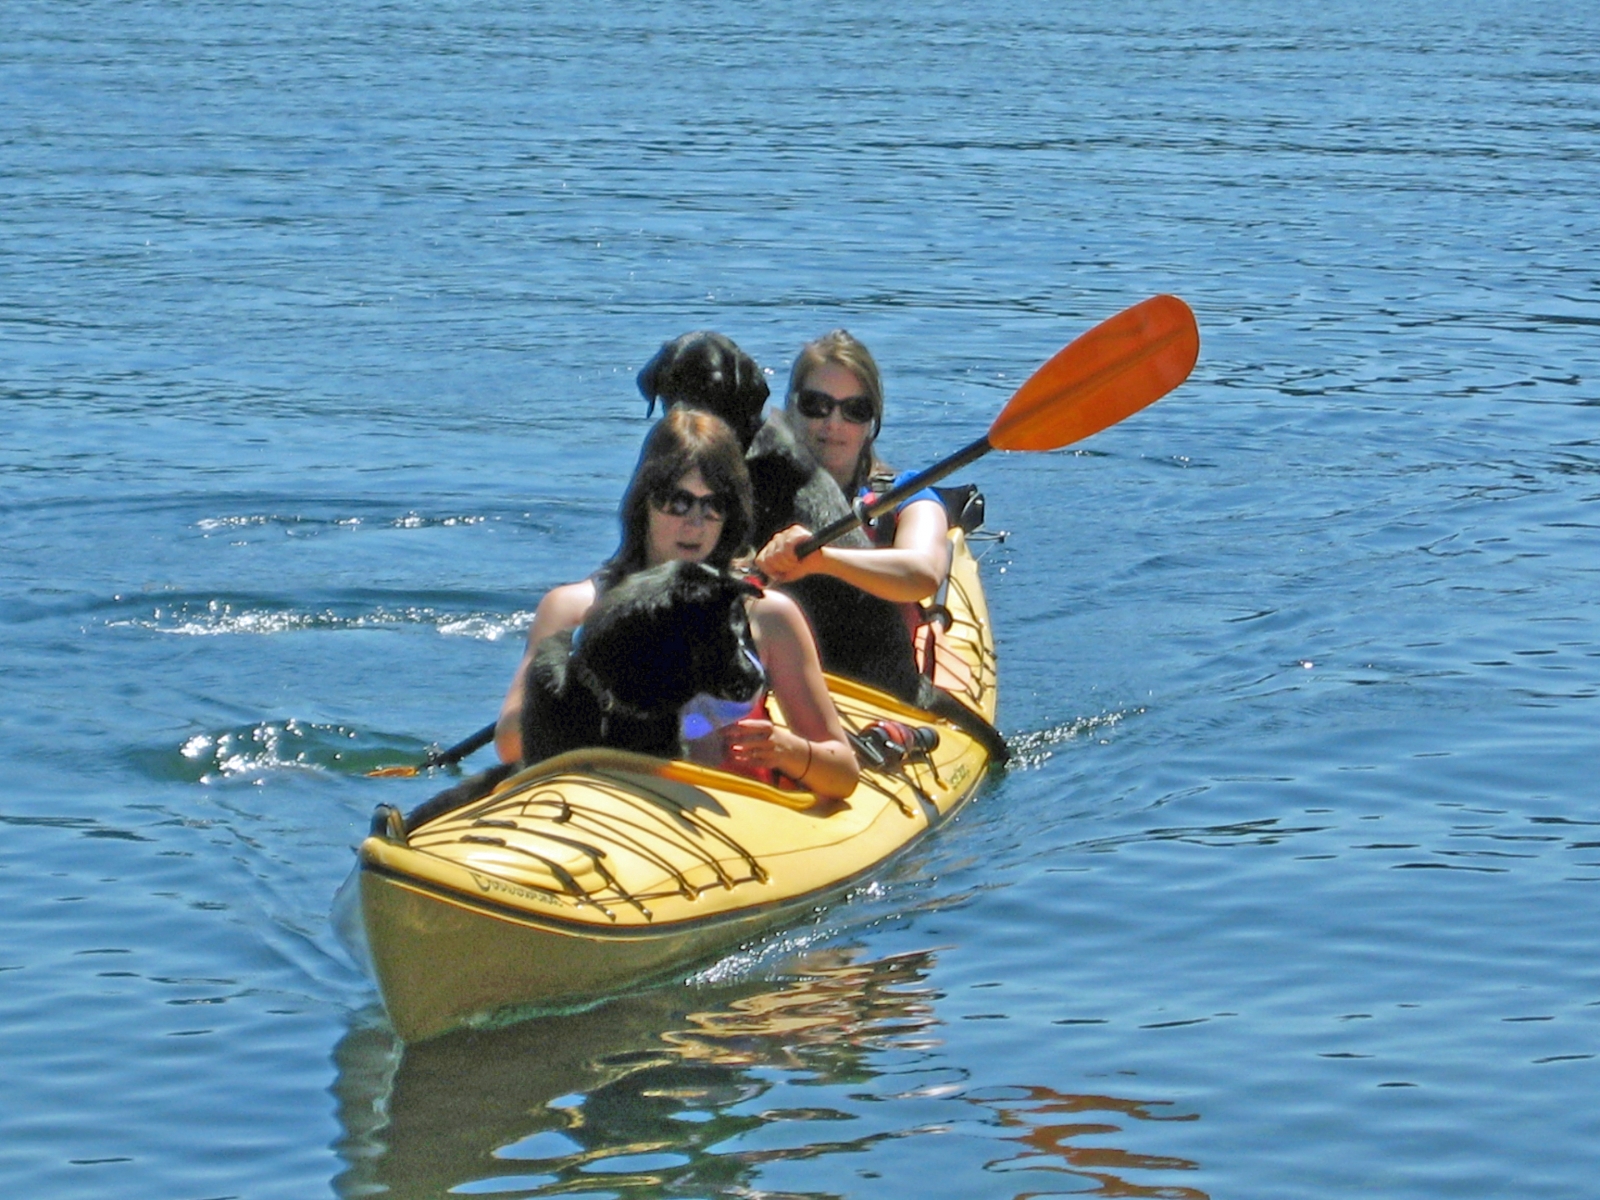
(840, 348)
(684, 440)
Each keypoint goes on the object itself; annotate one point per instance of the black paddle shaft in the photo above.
(460, 750)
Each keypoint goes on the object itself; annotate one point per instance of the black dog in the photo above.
(706, 370)
(657, 639)
(651, 643)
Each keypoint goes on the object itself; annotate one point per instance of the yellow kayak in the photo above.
(598, 870)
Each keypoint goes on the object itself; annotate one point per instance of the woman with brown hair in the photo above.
(689, 501)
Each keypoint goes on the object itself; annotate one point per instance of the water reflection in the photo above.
(695, 1091)
(1031, 1117)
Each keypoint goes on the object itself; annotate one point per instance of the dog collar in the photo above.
(609, 704)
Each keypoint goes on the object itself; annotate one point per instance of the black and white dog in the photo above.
(858, 635)
(651, 644)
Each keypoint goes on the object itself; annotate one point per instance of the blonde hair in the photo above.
(841, 348)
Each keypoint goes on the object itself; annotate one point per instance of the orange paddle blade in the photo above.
(1111, 372)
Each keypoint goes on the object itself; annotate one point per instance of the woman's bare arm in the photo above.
(813, 751)
(912, 569)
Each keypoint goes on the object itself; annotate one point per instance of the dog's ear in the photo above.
(779, 467)
(649, 377)
(699, 583)
(749, 382)
(779, 440)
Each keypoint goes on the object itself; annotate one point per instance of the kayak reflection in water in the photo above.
(689, 501)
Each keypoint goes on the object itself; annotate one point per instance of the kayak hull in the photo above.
(454, 961)
(600, 870)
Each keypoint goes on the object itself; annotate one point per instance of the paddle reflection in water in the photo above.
(728, 1089)
(1036, 1111)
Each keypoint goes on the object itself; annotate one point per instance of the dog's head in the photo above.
(707, 371)
(667, 634)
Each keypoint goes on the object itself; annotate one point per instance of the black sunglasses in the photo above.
(680, 502)
(819, 406)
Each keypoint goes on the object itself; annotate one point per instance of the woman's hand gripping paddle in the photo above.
(1123, 364)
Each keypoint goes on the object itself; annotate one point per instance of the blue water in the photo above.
(317, 334)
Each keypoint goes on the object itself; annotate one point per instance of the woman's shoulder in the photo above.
(776, 617)
(773, 606)
(565, 606)
(783, 637)
(878, 485)
(566, 593)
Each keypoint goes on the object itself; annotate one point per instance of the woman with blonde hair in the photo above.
(835, 404)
